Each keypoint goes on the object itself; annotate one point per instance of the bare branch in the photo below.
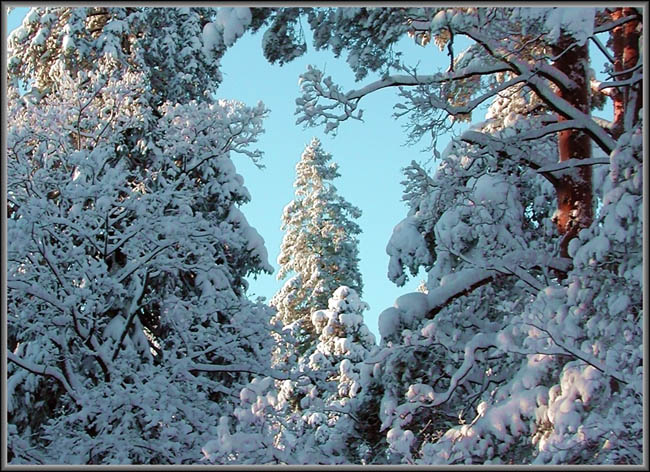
(614, 24)
(602, 48)
(572, 163)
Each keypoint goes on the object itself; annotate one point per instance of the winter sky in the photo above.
(371, 155)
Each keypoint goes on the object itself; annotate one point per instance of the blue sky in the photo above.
(371, 155)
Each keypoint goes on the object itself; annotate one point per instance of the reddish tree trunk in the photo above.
(624, 41)
(573, 190)
(617, 43)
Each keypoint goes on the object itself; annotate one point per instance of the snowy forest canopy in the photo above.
(130, 335)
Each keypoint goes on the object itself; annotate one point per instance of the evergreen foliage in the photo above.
(498, 358)
(319, 250)
(309, 410)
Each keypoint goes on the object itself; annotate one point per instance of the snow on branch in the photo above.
(134, 265)
(505, 149)
(480, 341)
(561, 106)
(140, 285)
(463, 283)
(637, 66)
(467, 280)
(537, 76)
(86, 335)
(553, 128)
(635, 79)
(402, 80)
(583, 356)
(45, 371)
(315, 86)
(546, 169)
(510, 63)
(38, 292)
(523, 275)
(610, 25)
(443, 104)
(534, 79)
(202, 367)
(530, 258)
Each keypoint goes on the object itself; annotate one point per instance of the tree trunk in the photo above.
(573, 189)
(624, 41)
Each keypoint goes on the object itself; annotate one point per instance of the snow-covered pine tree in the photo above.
(333, 404)
(129, 330)
(319, 250)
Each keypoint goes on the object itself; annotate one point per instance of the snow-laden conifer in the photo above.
(323, 407)
(319, 250)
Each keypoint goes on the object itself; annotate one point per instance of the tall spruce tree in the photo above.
(319, 248)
